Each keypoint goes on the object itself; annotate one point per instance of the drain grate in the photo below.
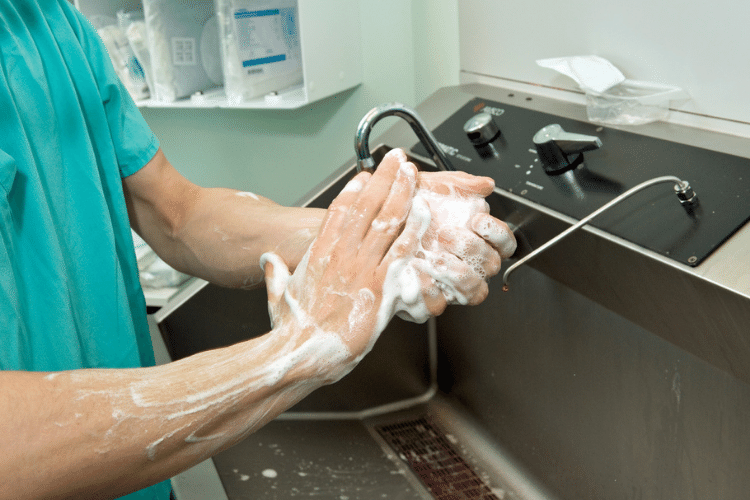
(432, 457)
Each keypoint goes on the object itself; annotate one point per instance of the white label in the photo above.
(449, 150)
(493, 111)
(183, 52)
(265, 36)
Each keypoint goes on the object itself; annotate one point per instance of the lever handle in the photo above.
(559, 150)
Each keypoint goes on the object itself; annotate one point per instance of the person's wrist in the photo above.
(311, 356)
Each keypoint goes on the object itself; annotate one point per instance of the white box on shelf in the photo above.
(183, 43)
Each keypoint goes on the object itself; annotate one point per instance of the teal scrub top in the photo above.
(70, 296)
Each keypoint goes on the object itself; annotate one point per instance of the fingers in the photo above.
(410, 240)
(453, 281)
(434, 299)
(337, 215)
(460, 284)
(475, 252)
(385, 228)
(277, 277)
(412, 293)
(496, 232)
(456, 183)
(391, 185)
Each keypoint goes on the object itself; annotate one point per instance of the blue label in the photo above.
(263, 60)
(243, 13)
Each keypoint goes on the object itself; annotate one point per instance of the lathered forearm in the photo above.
(104, 433)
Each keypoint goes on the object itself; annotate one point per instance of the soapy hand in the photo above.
(462, 234)
(394, 242)
(337, 288)
(449, 248)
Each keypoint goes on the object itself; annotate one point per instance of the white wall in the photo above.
(436, 52)
(697, 45)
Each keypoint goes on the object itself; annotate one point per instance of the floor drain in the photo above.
(432, 457)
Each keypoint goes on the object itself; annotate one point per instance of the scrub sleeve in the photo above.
(70, 296)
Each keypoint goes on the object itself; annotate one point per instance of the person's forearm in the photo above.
(104, 433)
(215, 234)
(226, 232)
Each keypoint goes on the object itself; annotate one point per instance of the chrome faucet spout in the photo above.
(362, 137)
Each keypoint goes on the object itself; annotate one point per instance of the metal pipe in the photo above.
(682, 188)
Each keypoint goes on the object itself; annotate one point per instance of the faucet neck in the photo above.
(362, 137)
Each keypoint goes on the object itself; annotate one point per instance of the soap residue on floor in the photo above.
(269, 473)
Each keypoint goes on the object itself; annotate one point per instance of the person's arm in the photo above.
(214, 233)
(219, 234)
(103, 433)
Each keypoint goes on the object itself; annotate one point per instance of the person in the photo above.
(84, 413)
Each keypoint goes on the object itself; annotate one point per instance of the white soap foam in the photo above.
(419, 256)
(353, 186)
(450, 214)
(248, 194)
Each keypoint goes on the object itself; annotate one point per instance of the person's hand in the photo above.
(463, 239)
(335, 295)
(392, 243)
(449, 248)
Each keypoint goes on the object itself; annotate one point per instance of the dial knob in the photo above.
(561, 151)
(481, 129)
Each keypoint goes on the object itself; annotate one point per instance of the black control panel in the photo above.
(609, 163)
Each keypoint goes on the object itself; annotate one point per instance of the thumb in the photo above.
(276, 276)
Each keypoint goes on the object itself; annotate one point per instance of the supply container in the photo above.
(124, 60)
(632, 102)
(133, 25)
(260, 47)
(183, 43)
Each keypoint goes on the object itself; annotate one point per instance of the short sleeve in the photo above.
(134, 142)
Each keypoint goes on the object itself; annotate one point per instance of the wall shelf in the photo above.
(291, 98)
(331, 55)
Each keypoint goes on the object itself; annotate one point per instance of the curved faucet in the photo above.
(362, 138)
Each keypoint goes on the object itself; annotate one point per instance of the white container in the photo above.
(126, 65)
(260, 47)
(184, 47)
